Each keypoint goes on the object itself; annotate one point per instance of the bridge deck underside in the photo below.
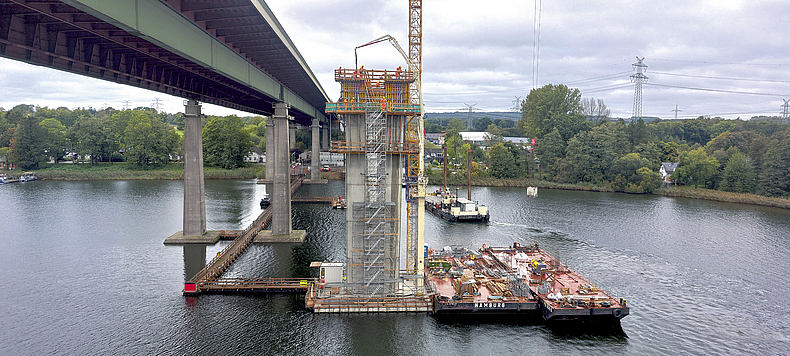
(60, 36)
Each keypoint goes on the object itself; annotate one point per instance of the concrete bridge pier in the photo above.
(325, 133)
(281, 185)
(194, 224)
(315, 154)
(269, 150)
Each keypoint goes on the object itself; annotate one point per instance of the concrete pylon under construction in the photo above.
(375, 108)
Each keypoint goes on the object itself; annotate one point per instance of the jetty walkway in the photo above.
(208, 280)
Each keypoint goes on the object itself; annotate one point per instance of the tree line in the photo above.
(577, 142)
(32, 136)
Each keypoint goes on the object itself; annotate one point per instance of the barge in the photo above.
(451, 208)
(464, 282)
(515, 280)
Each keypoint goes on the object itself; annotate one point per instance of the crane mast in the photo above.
(415, 178)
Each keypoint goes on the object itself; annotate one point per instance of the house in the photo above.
(256, 155)
(436, 138)
(474, 137)
(332, 159)
(667, 168)
(433, 154)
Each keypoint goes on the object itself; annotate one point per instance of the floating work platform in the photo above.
(516, 279)
(252, 285)
(361, 304)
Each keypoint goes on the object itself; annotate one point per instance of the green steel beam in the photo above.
(158, 23)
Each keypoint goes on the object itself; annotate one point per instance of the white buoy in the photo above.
(532, 191)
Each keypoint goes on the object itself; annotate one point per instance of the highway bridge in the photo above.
(232, 53)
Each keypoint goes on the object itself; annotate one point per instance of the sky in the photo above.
(722, 58)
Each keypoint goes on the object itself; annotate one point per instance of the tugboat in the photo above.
(265, 201)
(450, 207)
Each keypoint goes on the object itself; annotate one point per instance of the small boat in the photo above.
(338, 203)
(265, 201)
(28, 177)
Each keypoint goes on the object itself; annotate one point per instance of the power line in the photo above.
(598, 78)
(714, 90)
(536, 42)
(714, 62)
(723, 78)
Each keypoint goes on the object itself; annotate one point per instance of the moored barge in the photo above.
(515, 280)
(451, 208)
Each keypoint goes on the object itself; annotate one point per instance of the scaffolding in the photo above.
(374, 105)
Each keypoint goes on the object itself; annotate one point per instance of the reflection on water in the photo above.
(194, 260)
(84, 271)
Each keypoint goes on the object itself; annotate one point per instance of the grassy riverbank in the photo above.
(727, 197)
(124, 171)
(680, 192)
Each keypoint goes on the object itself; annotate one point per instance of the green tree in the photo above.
(669, 151)
(501, 162)
(650, 181)
(148, 141)
(55, 138)
(650, 151)
(695, 167)
(27, 146)
(456, 125)
(493, 135)
(550, 149)
(590, 154)
(638, 132)
(482, 124)
(550, 107)
(632, 173)
(738, 174)
(94, 137)
(225, 143)
(774, 179)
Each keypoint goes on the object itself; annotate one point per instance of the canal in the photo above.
(83, 271)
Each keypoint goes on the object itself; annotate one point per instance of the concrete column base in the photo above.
(265, 237)
(210, 237)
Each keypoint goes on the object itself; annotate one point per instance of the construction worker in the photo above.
(345, 103)
(397, 72)
(352, 103)
(383, 103)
